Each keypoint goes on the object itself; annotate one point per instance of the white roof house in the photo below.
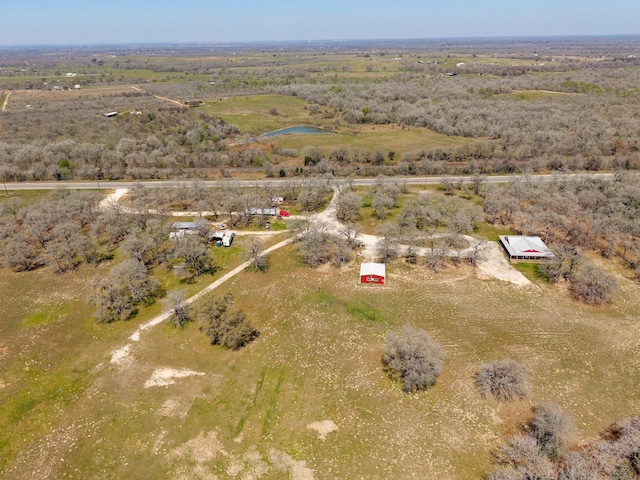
(372, 273)
(519, 247)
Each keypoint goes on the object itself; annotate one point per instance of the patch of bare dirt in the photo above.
(162, 377)
(121, 355)
(177, 407)
(298, 469)
(252, 465)
(323, 428)
(192, 458)
(493, 264)
(203, 448)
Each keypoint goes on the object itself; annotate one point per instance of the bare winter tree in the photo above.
(613, 456)
(318, 245)
(133, 275)
(348, 207)
(20, 254)
(259, 262)
(195, 256)
(225, 325)
(477, 247)
(387, 246)
(179, 308)
(592, 285)
(521, 458)
(110, 300)
(504, 380)
(412, 357)
(552, 428)
(351, 233)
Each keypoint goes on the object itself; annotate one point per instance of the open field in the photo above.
(253, 113)
(317, 359)
(385, 138)
(531, 95)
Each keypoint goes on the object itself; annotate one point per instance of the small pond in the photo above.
(296, 129)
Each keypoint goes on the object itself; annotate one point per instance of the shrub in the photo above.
(521, 458)
(592, 285)
(411, 356)
(624, 438)
(225, 325)
(503, 379)
(179, 308)
(552, 428)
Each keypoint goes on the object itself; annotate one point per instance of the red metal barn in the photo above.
(372, 273)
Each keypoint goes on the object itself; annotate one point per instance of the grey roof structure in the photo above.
(184, 225)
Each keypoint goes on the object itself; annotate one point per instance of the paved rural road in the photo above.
(84, 185)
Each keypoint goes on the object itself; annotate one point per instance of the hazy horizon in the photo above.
(63, 22)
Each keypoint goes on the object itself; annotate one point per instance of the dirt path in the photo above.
(112, 199)
(161, 98)
(6, 102)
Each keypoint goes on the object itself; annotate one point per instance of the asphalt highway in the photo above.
(110, 185)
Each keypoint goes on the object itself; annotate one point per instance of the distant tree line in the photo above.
(579, 116)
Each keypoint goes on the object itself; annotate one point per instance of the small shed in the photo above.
(518, 247)
(372, 273)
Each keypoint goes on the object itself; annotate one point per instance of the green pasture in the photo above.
(490, 232)
(25, 196)
(51, 346)
(318, 359)
(397, 139)
(255, 114)
(532, 95)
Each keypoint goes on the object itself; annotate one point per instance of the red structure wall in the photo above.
(375, 279)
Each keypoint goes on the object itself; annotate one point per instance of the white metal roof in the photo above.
(522, 246)
(372, 269)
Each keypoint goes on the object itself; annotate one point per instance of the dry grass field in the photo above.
(308, 398)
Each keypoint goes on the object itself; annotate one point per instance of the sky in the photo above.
(67, 22)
